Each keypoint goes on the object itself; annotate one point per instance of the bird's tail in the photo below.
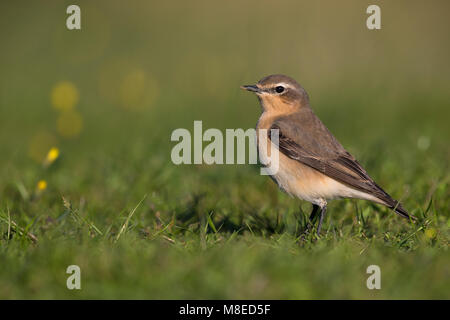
(397, 207)
(393, 204)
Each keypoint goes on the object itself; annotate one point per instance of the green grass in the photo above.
(141, 227)
(153, 230)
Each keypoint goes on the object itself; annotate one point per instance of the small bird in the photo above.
(313, 165)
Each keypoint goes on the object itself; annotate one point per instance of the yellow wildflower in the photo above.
(52, 155)
(42, 185)
(430, 233)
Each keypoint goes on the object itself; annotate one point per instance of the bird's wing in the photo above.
(304, 138)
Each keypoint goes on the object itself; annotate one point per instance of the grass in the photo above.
(141, 227)
(211, 232)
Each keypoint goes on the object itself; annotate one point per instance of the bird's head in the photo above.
(279, 93)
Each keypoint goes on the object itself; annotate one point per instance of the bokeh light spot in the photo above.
(127, 85)
(64, 96)
(423, 143)
(69, 124)
(40, 144)
(137, 90)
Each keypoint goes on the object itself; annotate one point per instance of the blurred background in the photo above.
(138, 70)
(105, 99)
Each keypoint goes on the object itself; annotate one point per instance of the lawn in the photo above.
(86, 176)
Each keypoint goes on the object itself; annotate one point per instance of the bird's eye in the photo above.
(279, 89)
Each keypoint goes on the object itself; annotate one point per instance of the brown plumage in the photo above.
(314, 166)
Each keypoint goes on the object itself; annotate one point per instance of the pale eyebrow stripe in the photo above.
(284, 84)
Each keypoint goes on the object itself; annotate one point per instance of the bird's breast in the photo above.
(296, 178)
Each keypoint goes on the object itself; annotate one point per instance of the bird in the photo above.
(313, 165)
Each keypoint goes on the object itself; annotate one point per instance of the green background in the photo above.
(144, 68)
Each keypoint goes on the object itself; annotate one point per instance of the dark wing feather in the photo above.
(303, 137)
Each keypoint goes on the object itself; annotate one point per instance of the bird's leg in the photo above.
(323, 211)
(312, 217)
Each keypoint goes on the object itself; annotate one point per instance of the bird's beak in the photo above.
(251, 88)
